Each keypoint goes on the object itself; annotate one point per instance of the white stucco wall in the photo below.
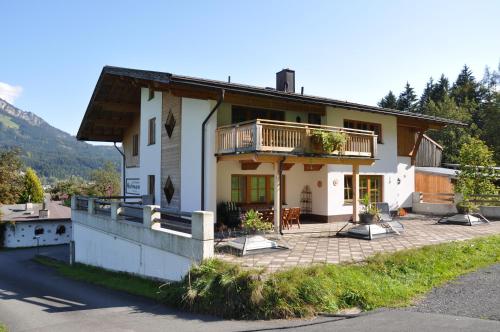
(406, 179)
(98, 248)
(194, 112)
(150, 155)
(388, 164)
(22, 234)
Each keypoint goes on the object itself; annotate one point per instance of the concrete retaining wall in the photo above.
(143, 248)
(491, 212)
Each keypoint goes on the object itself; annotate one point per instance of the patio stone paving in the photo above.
(317, 243)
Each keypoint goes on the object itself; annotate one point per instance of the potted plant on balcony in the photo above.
(370, 213)
(328, 141)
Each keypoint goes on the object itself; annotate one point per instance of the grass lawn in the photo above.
(385, 280)
(3, 328)
(115, 280)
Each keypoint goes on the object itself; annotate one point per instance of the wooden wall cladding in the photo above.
(406, 140)
(432, 183)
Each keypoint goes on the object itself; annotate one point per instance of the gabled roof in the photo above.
(118, 87)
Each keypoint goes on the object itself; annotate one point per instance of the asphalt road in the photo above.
(35, 298)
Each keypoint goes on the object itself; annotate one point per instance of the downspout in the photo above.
(280, 171)
(123, 169)
(219, 101)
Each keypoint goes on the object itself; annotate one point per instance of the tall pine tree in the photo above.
(407, 100)
(389, 101)
(426, 96)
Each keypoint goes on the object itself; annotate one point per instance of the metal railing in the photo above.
(131, 211)
(82, 203)
(102, 206)
(174, 220)
(290, 137)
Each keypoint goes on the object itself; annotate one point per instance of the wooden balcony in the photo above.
(291, 138)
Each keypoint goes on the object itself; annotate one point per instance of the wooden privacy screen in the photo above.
(433, 183)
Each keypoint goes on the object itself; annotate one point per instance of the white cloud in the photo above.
(9, 93)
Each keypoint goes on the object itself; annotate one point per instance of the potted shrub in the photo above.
(328, 141)
(254, 224)
(466, 207)
(370, 213)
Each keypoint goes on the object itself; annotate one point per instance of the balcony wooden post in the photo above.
(374, 146)
(277, 197)
(235, 139)
(355, 192)
(258, 135)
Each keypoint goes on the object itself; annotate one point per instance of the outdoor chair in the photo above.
(285, 218)
(294, 216)
(267, 215)
(386, 218)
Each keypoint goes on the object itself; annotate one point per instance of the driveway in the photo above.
(35, 298)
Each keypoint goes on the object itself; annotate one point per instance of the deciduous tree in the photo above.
(476, 169)
(105, 181)
(32, 188)
(10, 176)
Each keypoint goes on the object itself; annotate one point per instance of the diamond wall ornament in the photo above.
(169, 190)
(170, 123)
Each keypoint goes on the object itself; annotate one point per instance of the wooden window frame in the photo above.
(368, 189)
(355, 124)
(268, 189)
(135, 145)
(152, 131)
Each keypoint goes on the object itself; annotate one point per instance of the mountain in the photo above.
(53, 153)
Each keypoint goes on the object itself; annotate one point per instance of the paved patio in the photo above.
(317, 243)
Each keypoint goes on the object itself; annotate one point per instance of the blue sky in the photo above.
(53, 51)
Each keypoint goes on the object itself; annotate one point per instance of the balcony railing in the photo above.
(290, 137)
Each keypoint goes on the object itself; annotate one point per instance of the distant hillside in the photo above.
(48, 150)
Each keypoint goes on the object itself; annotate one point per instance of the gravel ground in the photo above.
(474, 295)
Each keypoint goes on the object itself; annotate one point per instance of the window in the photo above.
(39, 230)
(135, 145)
(151, 187)
(61, 229)
(152, 131)
(240, 114)
(238, 188)
(254, 189)
(368, 184)
(314, 118)
(375, 127)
